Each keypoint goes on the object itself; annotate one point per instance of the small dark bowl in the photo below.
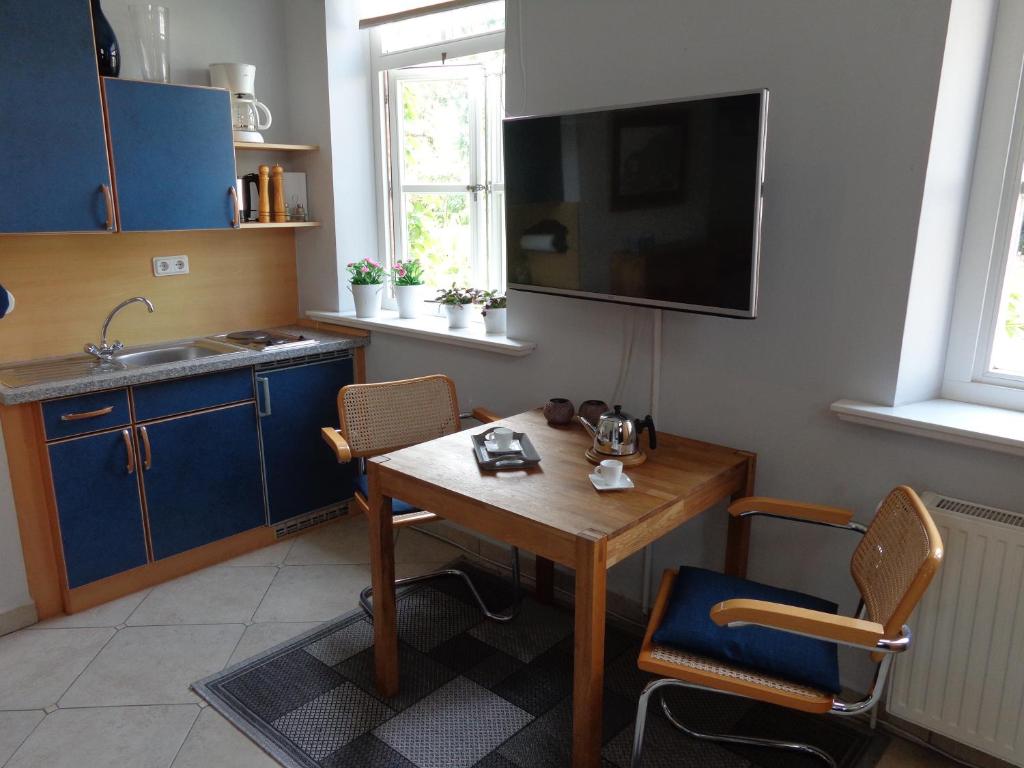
(591, 410)
(559, 411)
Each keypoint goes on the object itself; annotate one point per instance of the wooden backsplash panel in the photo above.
(64, 286)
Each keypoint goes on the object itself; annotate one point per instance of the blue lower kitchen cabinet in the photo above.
(95, 482)
(201, 475)
(301, 472)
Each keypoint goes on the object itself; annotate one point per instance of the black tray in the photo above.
(524, 459)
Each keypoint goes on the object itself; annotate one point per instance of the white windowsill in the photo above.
(431, 328)
(980, 426)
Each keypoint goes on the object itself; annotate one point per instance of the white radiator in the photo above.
(964, 674)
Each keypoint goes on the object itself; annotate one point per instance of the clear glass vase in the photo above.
(152, 25)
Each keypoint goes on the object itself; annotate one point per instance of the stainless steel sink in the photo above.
(141, 357)
(75, 366)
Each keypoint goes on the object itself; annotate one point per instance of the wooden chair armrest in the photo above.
(485, 416)
(801, 621)
(337, 443)
(795, 510)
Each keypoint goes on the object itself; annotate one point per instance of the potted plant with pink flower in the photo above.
(408, 280)
(367, 279)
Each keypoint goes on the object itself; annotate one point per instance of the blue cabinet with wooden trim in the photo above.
(56, 174)
(99, 509)
(201, 475)
(302, 475)
(173, 155)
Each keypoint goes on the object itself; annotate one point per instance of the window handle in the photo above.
(476, 189)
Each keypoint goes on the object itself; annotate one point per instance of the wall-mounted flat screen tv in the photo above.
(657, 205)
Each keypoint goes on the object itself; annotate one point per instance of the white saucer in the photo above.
(492, 447)
(603, 485)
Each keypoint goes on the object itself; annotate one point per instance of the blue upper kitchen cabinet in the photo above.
(173, 155)
(95, 483)
(51, 122)
(301, 472)
(201, 475)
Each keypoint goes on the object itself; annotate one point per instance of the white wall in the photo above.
(13, 587)
(202, 33)
(854, 87)
(946, 192)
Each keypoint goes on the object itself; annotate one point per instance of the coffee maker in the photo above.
(248, 115)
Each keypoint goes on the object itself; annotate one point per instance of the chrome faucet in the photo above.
(107, 351)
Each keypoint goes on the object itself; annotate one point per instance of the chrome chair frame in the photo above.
(365, 595)
(888, 647)
(513, 611)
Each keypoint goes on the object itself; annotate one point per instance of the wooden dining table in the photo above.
(555, 512)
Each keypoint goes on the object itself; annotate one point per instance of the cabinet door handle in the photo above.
(129, 450)
(87, 414)
(147, 458)
(263, 407)
(108, 198)
(236, 220)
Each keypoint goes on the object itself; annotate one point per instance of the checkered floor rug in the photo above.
(479, 693)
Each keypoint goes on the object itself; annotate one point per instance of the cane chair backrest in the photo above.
(385, 416)
(897, 558)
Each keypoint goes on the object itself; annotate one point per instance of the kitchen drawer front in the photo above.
(77, 415)
(167, 398)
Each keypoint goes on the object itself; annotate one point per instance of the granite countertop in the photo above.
(326, 342)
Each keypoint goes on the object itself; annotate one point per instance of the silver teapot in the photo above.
(618, 434)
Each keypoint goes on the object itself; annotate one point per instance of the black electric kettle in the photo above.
(250, 197)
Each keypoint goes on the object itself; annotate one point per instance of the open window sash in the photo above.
(433, 186)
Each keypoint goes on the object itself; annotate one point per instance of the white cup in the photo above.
(502, 437)
(610, 471)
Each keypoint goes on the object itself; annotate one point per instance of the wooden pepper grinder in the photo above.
(277, 194)
(264, 190)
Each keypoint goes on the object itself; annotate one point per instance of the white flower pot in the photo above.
(409, 300)
(367, 298)
(458, 315)
(494, 321)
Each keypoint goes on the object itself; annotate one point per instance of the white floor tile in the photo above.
(15, 727)
(109, 737)
(38, 665)
(312, 592)
(262, 637)
(346, 541)
(411, 546)
(217, 595)
(107, 615)
(153, 665)
(215, 743)
(272, 555)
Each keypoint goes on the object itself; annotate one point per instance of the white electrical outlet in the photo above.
(165, 266)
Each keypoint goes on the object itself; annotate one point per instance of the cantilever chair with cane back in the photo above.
(386, 416)
(718, 633)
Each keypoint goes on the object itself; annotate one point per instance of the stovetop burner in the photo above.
(261, 339)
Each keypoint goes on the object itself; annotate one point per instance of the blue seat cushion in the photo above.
(687, 625)
(398, 507)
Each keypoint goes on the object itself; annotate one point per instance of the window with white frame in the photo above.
(439, 95)
(985, 360)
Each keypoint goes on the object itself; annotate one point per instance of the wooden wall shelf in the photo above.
(280, 225)
(255, 145)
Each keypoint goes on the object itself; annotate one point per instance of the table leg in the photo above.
(382, 575)
(588, 665)
(737, 547)
(544, 573)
